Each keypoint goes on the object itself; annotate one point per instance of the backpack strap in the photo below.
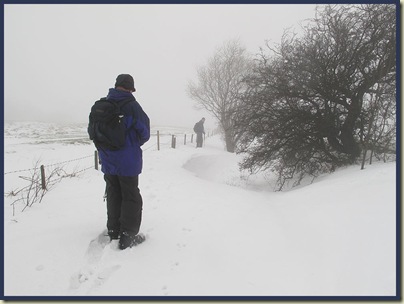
(121, 104)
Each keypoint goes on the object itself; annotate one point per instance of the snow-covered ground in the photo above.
(212, 231)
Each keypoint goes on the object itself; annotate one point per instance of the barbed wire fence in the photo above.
(171, 139)
(42, 178)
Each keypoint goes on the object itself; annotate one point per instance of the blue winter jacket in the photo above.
(127, 161)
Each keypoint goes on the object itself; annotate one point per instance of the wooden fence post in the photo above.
(96, 160)
(173, 141)
(158, 140)
(43, 181)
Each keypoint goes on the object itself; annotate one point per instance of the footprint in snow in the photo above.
(89, 274)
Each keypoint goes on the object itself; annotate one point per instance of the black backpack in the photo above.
(106, 126)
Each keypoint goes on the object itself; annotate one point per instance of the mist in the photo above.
(59, 59)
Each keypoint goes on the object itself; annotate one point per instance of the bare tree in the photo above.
(311, 101)
(219, 86)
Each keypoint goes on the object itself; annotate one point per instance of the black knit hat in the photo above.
(125, 81)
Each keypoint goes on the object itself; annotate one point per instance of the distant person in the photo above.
(122, 166)
(199, 129)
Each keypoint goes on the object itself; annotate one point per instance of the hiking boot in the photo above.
(127, 240)
(113, 234)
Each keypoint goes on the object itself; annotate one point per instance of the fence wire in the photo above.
(40, 183)
(50, 165)
(165, 140)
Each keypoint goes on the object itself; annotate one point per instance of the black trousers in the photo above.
(124, 203)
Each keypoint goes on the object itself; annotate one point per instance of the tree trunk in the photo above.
(351, 147)
(230, 144)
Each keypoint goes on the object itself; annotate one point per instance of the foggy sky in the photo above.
(59, 59)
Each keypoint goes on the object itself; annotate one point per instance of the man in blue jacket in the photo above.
(122, 167)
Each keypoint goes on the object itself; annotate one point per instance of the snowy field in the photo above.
(212, 231)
